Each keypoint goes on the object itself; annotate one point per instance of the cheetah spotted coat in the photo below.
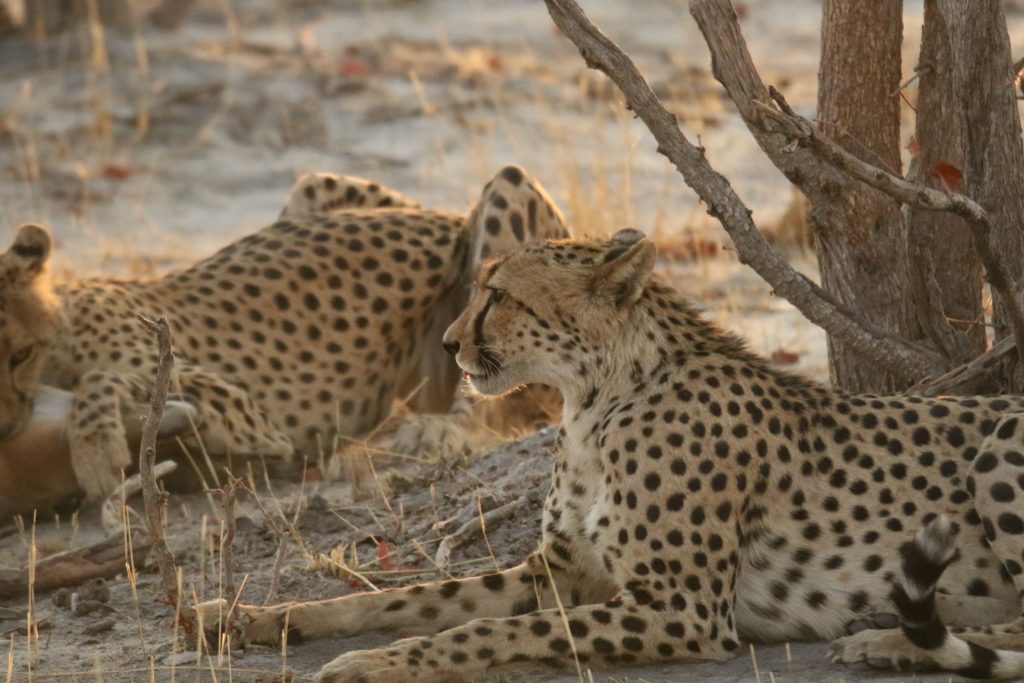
(701, 497)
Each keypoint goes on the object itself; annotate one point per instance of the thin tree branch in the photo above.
(734, 68)
(918, 196)
(978, 371)
(903, 360)
(154, 500)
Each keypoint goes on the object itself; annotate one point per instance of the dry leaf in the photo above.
(914, 147)
(383, 555)
(949, 175)
(117, 171)
(353, 68)
(781, 356)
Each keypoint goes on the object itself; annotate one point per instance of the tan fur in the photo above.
(290, 341)
(700, 496)
(28, 324)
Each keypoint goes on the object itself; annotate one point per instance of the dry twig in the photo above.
(915, 195)
(154, 499)
(73, 567)
(111, 515)
(902, 359)
(227, 536)
(467, 531)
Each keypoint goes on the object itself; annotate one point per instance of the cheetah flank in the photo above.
(303, 331)
(700, 496)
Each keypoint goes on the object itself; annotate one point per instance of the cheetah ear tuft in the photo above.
(625, 267)
(26, 259)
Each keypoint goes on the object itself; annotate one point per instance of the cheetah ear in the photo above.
(513, 210)
(26, 259)
(625, 267)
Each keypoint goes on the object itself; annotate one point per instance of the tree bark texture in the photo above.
(985, 101)
(945, 272)
(860, 235)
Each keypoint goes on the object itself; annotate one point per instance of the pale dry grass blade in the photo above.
(565, 619)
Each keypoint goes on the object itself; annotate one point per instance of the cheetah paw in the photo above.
(880, 649)
(98, 465)
(262, 625)
(363, 666)
(438, 435)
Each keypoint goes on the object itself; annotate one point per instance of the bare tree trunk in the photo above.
(860, 236)
(985, 101)
(944, 269)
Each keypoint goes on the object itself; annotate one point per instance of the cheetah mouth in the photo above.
(479, 378)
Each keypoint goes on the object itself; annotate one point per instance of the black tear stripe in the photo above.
(487, 359)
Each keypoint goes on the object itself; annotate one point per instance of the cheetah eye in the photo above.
(497, 295)
(20, 356)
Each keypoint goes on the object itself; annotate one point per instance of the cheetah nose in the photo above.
(7, 429)
(451, 347)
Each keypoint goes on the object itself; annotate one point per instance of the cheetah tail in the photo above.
(923, 561)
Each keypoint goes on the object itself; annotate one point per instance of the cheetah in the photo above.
(701, 497)
(286, 340)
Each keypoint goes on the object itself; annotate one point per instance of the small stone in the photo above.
(181, 659)
(101, 626)
(96, 589)
(84, 607)
(62, 598)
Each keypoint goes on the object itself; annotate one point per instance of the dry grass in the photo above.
(105, 176)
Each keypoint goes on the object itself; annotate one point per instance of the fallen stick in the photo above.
(227, 538)
(110, 514)
(470, 529)
(101, 560)
(154, 499)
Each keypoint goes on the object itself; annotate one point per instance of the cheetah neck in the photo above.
(663, 333)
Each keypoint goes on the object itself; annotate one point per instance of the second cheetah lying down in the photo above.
(287, 341)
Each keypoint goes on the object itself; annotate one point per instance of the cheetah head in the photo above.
(538, 313)
(28, 324)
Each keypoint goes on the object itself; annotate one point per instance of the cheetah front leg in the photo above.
(232, 423)
(614, 633)
(102, 404)
(225, 420)
(425, 608)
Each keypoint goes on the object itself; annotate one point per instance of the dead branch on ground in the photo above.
(979, 369)
(155, 500)
(472, 528)
(101, 560)
(227, 537)
(904, 360)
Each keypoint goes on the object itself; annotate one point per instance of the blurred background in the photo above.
(146, 134)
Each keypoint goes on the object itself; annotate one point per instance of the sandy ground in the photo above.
(143, 151)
